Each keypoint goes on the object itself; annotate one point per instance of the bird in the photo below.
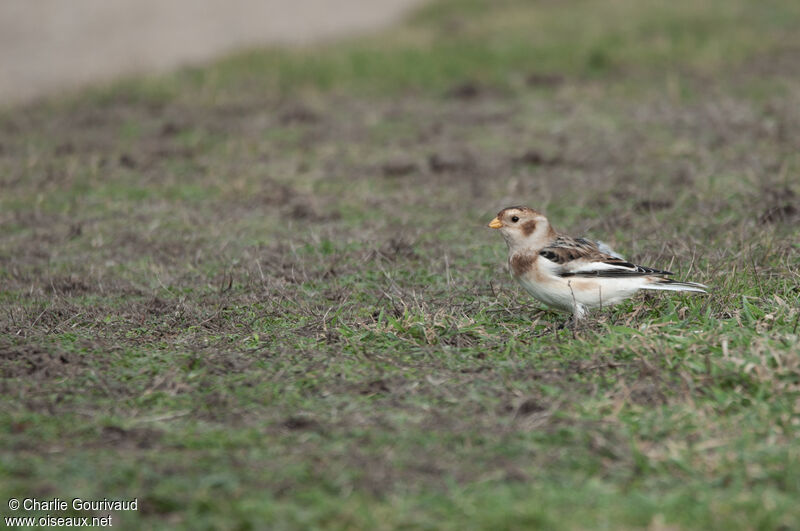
(573, 274)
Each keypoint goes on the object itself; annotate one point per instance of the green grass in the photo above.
(261, 294)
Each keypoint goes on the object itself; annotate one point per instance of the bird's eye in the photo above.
(514, 219)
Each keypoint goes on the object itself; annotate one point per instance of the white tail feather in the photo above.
(671, 285)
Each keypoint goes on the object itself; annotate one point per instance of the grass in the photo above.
(261, 293)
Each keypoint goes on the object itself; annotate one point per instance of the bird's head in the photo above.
(523, 227)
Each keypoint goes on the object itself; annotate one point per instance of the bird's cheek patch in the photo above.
(528, 227)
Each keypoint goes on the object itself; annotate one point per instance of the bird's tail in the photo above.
(666, 284)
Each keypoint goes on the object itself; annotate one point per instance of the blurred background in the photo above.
(260, 291)
(49, 45)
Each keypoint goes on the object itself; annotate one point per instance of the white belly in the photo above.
(551, 294)
(568, 293)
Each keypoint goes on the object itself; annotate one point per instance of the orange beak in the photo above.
(495, 224)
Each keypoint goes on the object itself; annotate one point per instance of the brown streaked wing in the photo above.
(565, 249)
(576, 255)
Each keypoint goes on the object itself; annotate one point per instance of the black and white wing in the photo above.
(579, 257)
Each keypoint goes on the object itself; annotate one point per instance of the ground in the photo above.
(262, 293)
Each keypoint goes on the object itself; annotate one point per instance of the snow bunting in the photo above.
(573, 274)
